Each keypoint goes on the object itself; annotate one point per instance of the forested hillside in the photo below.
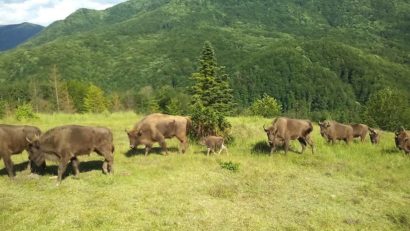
(316, 56)
(13, 35)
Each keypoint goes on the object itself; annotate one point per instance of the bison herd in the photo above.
(64, 143)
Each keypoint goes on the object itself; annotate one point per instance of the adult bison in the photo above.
(65, 143)
(158, 127)
(402, 140)
(13, 140)
(360, 130)
(332, 131)
(287, 129)
(374, 136)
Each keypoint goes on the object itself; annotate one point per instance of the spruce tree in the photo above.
(211, 84)
(212, 96)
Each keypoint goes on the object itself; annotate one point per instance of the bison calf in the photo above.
(213, 143)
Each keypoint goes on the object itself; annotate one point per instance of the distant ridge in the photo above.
(16, 34)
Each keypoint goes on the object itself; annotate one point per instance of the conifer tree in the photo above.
(212, 97)
(211, 87)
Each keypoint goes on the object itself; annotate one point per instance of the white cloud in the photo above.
(44, 12)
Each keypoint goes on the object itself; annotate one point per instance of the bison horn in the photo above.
(29, 141)
(402, 128)
(266, 130)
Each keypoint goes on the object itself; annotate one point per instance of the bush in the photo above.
(206, 121)
(2, 108)
(25, 111)
(231, 166)
(267, 107)
(388, 109)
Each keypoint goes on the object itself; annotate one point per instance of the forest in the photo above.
(343, 60)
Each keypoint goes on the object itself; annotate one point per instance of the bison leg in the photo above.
(108, 165)
(61, 169)
(9, 165)
(183, 145)
(209, 150)
(286, 145)
(272, 149)
(310, 143)
(164, 146)
(223, 147)
(147, 149)
(75, 163)
(302, 142)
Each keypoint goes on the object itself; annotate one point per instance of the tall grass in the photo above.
(360, 186)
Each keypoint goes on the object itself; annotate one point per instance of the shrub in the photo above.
(2, 108)
(267, 106)
(25, 111)
(206, 121)
(231, 166)
(388, 109)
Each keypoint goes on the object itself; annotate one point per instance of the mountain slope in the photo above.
(13, 35)
(323, 54)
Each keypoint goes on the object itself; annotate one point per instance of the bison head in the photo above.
(134, 137)
(374, 136)
(271, 133)
(323, 127)
(400, 138)
(34, 150)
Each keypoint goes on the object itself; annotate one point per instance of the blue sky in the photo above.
(44, 12)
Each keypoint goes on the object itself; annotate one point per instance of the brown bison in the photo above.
(360, 130)
(402, 140)
(213, 143)
(13, 140)
(158, 127)
(374, 136)
(283, 130)
(332, 131)
(65, 143)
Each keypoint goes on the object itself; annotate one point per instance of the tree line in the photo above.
(212, 94)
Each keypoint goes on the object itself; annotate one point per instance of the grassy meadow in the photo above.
(339, 187)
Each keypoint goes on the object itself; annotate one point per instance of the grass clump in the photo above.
(231, 166)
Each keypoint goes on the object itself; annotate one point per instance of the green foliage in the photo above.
(206, 121)
(211, 84)
(267, 106)
(388, 109)
(78, 90)
(212, 98)
(231, 166)
(94, 100)
(24, 112)
(2, 108)
(315, 57)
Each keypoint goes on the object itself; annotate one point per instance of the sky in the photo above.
(44, 12)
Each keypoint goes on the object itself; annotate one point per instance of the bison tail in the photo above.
(309, 129)
(188, 124)
(112, 149)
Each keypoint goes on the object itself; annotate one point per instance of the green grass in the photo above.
(338, 188)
